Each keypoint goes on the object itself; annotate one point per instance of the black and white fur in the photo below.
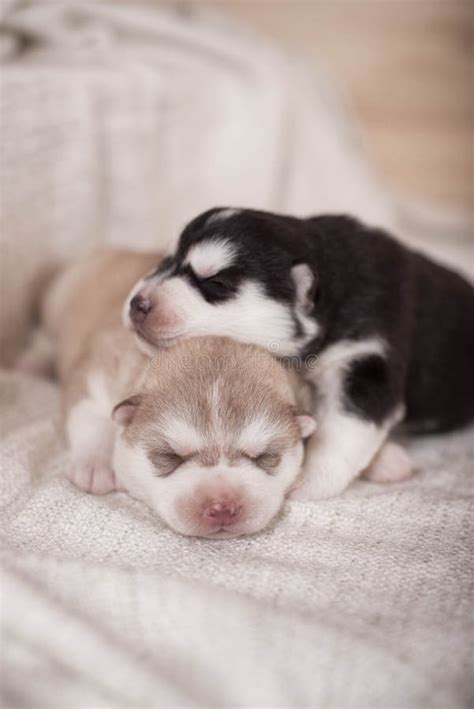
(384, 334)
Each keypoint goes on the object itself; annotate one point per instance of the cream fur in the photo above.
(194, 410)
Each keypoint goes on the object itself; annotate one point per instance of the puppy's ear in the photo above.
(307, 424)
(304, 281)
(124, 412)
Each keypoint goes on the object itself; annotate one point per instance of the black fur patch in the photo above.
(215, 289)
(370, 389)
(259, 242)
(368, 285)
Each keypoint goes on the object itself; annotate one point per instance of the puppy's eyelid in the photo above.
(165, 462)
(217, 278)
(268, 461)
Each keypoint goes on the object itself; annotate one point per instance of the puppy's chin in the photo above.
(215, 536)
(164, 342)
(145, 346)
(150, 346)
(252, 524)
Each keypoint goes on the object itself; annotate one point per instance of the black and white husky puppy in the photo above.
(384, 334)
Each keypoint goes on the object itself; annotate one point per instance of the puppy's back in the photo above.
(86, 298)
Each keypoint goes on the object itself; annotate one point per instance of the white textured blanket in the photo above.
(118, 124)
(359, 601)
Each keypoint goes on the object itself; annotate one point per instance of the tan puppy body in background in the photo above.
(207, 432)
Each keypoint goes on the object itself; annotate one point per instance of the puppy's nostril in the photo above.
(213, 510)
(233, 510)
(139, 308)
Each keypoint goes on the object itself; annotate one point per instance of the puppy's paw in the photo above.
(301, 493)
(94, 476)
(315, 490)
(391, 464)
(323, 476)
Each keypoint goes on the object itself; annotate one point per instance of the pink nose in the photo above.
(222, 512)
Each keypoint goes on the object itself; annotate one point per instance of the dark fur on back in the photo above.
(367, 284)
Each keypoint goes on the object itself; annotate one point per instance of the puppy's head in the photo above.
(238, 273)
(214, 442)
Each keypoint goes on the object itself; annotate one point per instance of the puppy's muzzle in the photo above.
(153, 318)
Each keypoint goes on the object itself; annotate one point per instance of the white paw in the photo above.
(391, 464)
(301, 494)
(323, 476)
(94, 476)
(316, 489)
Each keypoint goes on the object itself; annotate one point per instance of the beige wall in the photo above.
(406, 67)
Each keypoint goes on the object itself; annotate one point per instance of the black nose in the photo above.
(139, 308)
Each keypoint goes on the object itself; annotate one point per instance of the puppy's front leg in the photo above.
(90, 435)
(359, 403)
(336, 454)
(392, 464)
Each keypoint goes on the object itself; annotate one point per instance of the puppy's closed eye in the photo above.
(267, 461)
(165, 462)
(216, 287)
(217, 280)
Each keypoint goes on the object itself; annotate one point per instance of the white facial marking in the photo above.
(182, 435)
(213, 397)
(209, 257)
(249, 317)
(252, 317)
(178, 497)
(257, 434)
(182, 497)
(222, 215)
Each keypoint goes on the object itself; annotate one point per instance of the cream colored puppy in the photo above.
(207, 432)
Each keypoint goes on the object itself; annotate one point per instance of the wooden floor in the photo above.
(406, 67)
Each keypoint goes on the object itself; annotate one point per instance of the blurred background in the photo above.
(406, 68)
